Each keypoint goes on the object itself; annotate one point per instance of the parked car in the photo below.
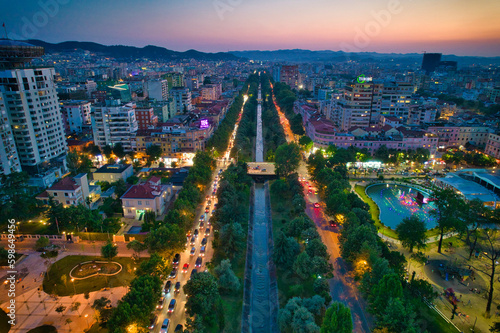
(202, 251)
(316, 205)
(333, 224)
(203, 242)
(193, 240)
(196, 232)
(185, 268)
(193, 251)
(177, 287)
(207, 231)
(202, 224)
(202, 218)
(173, 274)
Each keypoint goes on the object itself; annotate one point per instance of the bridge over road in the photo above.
(261, 171)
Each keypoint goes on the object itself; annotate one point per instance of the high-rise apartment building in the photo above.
(114, 123)
(289, 74)
(145, 118)
(9, 161)
(30, 100)
(182, 99)
(156, 89)
(76, 115)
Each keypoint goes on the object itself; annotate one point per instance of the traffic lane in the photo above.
(342, 287)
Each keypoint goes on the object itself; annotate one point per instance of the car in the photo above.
(207, 231)
(152, 322)
(203, 242)
(202, 251)
(177, 287)
(202, 224)
(207, 209)
(167, 287)
(202, 218)
(206, 197)
(185, 267)
(213, 211)
(173, 273)
(196, 232)
(198, 262)
(309, 192)
(160, 303)
(316, 205)
(193, 272)
(188, 234)
(179, 328)
(193, 240)
(209, 202)
(193, 251)
(333, 224)
(177, 257)
(213, 193)
(209, 223)
(165, 325)
(171, 306)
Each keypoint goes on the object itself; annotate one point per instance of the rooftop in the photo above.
(113, 168)
(143, 191)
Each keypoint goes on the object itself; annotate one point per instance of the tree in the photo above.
(156, 265)
(306, 143)
(448, 204)
(136, 246)
(166, 240)
(387, 288)
(107, 151)
(411, 233)
(42, 243)
(154, 152)
(100, 305)
(231, 239)
(337, 319)
(109, 251)
(301, 266)
(60, 309)
(490, 247)
(204, 298)
(228, 281)
(72, 161)
(287, 159)
(119, 151)
(398, 316)
(316, 248)
(286, 250)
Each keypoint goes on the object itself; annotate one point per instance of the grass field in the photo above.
(435, 323)
(59, 283)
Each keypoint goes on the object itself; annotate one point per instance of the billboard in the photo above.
(204, 124)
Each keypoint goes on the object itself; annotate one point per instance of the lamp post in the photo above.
(74, 288)
(87, 318)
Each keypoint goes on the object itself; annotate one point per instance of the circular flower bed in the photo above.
(88, 269)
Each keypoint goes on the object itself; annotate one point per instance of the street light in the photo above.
(86, 317)
(74, 288)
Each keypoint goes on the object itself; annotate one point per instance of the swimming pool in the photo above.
(397, 202)
(134, 230)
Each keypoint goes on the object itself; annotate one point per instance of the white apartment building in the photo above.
(182, 99)
(31, 102)
(114, 123)
(9, 161)
(156, 89)
(77, 114)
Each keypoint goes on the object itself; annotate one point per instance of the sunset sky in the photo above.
(448, 26)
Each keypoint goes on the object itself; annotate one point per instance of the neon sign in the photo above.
(204, 123)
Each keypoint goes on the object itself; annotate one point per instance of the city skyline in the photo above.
(395, 26)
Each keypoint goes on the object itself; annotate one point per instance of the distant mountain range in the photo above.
(298, 55)
(131, 52)
(295, 55)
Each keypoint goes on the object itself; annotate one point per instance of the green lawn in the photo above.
(289, 284)
(435, 323)
(96, 328)
(54, 283)
(35, 228)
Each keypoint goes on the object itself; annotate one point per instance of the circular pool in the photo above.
(397, 202)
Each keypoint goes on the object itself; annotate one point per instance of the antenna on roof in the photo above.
(5, 29)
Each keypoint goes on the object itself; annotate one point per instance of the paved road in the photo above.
(342, 286)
